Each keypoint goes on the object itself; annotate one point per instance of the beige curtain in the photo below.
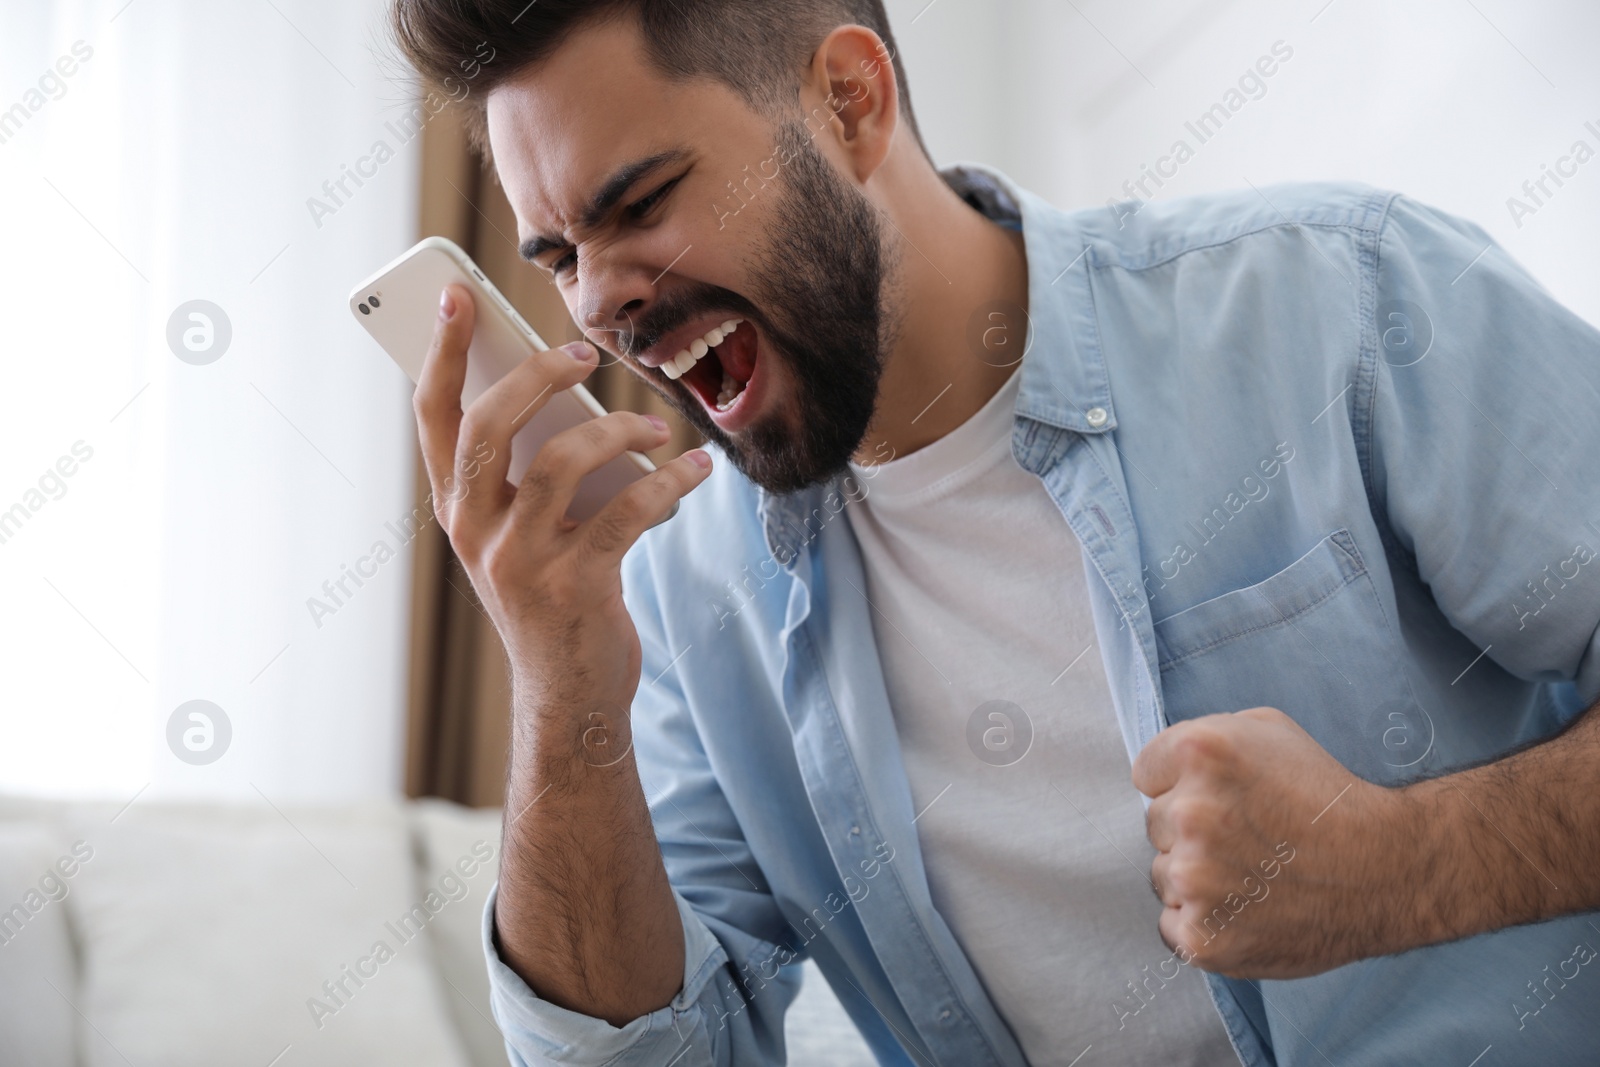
(459, 699)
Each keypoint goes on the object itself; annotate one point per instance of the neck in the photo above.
(950, 354)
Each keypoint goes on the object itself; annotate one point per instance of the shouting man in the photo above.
(1285, 501)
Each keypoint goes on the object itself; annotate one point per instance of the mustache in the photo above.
(672, 311)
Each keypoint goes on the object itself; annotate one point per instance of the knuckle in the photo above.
(450, 491)
(441, 510)
(1201, 744)
(639, 506)
(1202, 819)
(596, 433)
(556, 454)
(429, 405)
(497, 565)
(506, 566)
(1180, 816)
(464, 543)
(473, 424)
(678, 478)
(1177, 938)
(634, 503)
(1180, 881)
(664, 485)
(1171, 934)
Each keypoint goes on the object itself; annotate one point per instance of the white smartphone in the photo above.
(399, 305)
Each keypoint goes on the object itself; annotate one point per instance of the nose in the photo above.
(612, 296)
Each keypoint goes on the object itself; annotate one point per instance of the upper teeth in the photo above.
(678, 364)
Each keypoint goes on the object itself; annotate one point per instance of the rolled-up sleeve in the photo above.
(1485, 445)
(740, 973)
(539, 1032)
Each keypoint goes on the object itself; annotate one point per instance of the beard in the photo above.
(818, 283)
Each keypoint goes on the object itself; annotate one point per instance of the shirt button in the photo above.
(1096, 417)
(943, 1015)
(855, 831)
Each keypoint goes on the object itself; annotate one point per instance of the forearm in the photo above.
(585, 913)
(1510, 842)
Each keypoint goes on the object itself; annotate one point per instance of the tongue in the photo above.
(737, 352)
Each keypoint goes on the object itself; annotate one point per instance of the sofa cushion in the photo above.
(237, 934)
(459, 854)
(38, 977)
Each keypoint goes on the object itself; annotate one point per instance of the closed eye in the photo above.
(637, 211)
(642, 207)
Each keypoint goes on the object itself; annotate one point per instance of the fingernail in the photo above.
(582, 351)
(699, 458)
(657, 421)
(447, 305)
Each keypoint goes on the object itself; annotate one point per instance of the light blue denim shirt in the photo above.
(1326, 449)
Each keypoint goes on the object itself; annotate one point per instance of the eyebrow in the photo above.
(606, 198)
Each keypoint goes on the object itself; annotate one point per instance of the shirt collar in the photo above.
(1063, 374)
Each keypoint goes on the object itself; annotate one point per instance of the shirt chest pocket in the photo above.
(1312, 640)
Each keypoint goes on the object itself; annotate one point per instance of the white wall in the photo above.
(176, 164)
(1454, 102)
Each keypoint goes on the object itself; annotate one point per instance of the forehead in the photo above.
(561, 127)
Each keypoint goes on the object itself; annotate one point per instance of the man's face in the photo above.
(668, 210)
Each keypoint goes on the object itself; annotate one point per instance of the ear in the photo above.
(853, 72)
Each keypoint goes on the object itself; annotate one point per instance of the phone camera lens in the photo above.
(373, 300)
(364, 309)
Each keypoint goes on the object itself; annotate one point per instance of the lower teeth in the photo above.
(731, 388)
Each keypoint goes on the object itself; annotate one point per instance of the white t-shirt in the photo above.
(1034, 847)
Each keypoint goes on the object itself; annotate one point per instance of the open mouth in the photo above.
(717, 366)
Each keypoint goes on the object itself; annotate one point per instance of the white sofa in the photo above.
(265, 935)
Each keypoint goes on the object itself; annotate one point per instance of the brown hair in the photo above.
(756, 47)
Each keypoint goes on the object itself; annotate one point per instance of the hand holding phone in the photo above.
(546, 566)
(396, 306)
(551, 584)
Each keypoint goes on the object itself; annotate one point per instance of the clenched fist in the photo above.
(1275, 861)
